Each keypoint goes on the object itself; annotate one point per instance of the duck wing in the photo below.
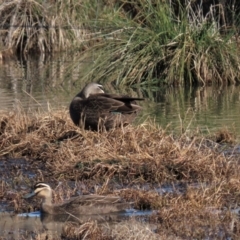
(112, 103)
(123, 98)
(94, 204)
(94, 199)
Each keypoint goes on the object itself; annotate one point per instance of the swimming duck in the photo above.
(95, 110)
(81, 205)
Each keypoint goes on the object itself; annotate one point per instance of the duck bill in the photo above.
(29, 195)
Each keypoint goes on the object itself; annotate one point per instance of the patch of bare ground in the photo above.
(57, 151)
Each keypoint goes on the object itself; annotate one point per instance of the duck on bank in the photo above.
(95, 110)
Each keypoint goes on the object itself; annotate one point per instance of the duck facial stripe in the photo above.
(41, 185)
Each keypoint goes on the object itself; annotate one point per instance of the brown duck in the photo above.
(95, 110)
(81, 205)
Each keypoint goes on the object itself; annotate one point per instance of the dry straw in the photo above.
(206, 180)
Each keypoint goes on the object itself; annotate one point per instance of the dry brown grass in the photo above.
(134, 154)
(88, 230)
(55, 150)
(129, 230)
(225, 136)
(174, 223)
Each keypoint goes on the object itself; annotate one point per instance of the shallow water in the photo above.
(51, 84)
(28, 225)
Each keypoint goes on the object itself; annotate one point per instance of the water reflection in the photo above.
(15, 227)
(209, 108)
(43, 84)
(25, 225)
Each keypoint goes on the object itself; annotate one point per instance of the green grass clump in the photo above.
(157, 46)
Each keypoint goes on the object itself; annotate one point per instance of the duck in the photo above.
(93, 109)
(80, 205)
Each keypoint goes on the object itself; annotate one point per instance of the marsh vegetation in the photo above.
(204, 177)
(135, 43)
(143, 44)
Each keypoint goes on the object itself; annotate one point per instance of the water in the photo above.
(30, 225)
(51, 84)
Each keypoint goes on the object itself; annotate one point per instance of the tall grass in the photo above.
(155, 46)
(32, 26)
(134, 42)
